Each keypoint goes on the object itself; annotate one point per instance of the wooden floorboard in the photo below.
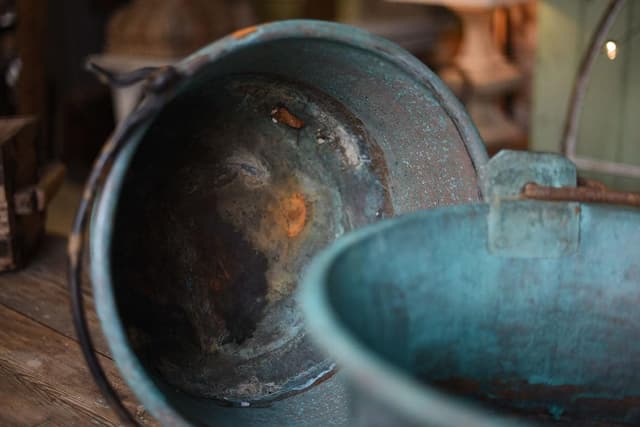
(40, 292)
(43, 377)
(49, 365)
(25, 404)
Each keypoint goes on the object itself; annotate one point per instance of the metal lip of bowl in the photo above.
(357, 39)
(102, 224)
(387, 383)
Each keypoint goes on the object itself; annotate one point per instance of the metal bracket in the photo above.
(529, 228)
(533, 229)
(506, 174)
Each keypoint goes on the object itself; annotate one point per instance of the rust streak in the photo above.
(282, 115)
(591, 183)
(244, 32)
(580, 194)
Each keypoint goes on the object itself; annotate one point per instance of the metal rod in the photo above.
(590, 194)
(76, 253)
(605, 166)
(591, 183)
(576, 103)
(120, 79)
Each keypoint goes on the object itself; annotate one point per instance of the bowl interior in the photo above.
(546, 339)
(261, 160)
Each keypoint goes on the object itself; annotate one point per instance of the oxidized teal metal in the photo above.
(274, 141)
(434, 327)
(528, 229)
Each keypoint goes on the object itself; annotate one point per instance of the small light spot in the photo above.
(611, 48)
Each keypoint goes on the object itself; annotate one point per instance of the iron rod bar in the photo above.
(576, 103)
(580, 194)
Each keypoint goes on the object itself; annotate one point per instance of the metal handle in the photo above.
(76, 252)
(160, 83)
(572, 122)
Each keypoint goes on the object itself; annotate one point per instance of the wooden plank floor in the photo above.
(43, 378)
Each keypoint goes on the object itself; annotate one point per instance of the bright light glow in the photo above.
(612, 49)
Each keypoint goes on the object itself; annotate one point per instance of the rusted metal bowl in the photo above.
(278, 139)
(521, 312)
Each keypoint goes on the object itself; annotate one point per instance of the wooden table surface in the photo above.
(43, 377)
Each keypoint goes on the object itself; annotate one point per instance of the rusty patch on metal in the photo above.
(570, 404)
(282, 115)
(293, 214)
(591, 183)
(588, 194)
(244, 32)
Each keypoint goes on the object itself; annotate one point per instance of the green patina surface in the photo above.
(432, 327)
(529, 229)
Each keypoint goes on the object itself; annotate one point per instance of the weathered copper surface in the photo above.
(216, 233)
(279, 139)
(536, 324)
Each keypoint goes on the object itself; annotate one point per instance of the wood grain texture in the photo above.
(43, 377)
(42, 286)
(51, 365)
(18, 168)
(25, 404)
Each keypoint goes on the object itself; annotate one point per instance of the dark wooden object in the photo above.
(31, 34)
(44, 380)
(24, 192)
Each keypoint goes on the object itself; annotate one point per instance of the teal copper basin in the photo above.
(496, 314)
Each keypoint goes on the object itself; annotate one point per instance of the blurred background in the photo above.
(511, 62)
